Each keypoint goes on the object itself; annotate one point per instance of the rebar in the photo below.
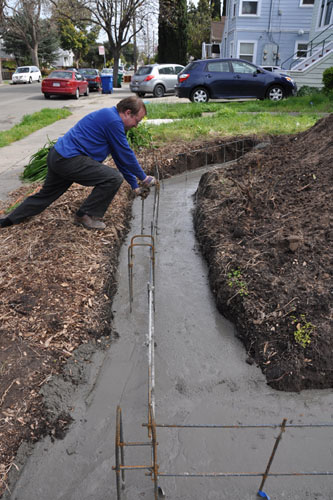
(152, 425)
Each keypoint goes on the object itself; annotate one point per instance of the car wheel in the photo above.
(77, 94)
(159, 91)
(30, 80)
(47, 96)
(199, 95)
(141, 94)
(275, 93)
(87, 92)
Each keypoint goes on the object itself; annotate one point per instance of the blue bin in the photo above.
(107, 84)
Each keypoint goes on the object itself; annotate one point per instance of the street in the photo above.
(24, 99)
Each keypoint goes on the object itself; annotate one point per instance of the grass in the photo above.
(31, 123)
(212, 119)
(318, 103)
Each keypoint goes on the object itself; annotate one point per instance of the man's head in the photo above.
(131, 111)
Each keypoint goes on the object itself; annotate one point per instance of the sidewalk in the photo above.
(15, 156)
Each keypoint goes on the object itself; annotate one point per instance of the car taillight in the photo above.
(183, 77)
(150, 77)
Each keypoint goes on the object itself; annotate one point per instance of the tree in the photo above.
(199, 22)
(23, 20)
(215, 8)
(172, 32)
(77, 38)
(47, 49)
(115, 17)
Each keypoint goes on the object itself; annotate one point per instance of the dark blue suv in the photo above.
(231, 79)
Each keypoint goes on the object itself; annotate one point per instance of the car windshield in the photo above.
(89, 72)
(22, 70)
(144, 70)
(61, 74)
(107, 71)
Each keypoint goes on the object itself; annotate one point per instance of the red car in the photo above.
(65, 82)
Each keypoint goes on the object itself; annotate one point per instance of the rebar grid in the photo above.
(152, 425)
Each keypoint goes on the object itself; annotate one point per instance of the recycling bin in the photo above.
(107, 84)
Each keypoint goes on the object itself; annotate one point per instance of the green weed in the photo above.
(236, 281)
(303, 331)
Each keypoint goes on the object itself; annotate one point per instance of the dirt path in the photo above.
(202, 377)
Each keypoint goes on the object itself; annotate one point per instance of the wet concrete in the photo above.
(201, 378)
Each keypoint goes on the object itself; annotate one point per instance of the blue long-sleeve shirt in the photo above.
(98, 135)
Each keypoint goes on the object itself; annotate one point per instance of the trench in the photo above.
(201, 378)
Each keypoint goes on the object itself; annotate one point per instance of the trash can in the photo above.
(107, 84)
(119, 80)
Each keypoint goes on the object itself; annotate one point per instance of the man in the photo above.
(78, 156)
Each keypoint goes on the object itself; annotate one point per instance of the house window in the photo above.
(249, 8)
(325, 13)
(328, 14)
(246, 51)
(307, 3)
(301, 49)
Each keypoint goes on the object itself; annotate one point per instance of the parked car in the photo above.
(157, 79)
(26, 74)
(92, 76)
(65, 82)
(232, 79)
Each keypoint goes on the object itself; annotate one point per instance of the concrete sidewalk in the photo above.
(14, 157)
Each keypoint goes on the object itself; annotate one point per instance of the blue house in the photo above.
(307, 67)
(267, 32)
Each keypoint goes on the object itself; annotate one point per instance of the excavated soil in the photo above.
(263, 225)
(265, 228)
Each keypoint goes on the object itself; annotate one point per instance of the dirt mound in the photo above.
(265, 228)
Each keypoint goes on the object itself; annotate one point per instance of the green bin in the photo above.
(119, 79)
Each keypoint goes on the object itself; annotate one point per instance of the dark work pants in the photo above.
(61, 174)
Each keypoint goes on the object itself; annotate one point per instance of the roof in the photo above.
(216, 30)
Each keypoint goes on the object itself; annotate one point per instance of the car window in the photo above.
(191, 66)
(78, 76)
(22, 70)
(168, 70)
(218, 66)
(178, 69)
(60, 74)
(242, 67)
(144, 70)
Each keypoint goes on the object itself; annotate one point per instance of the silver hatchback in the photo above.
(156, 79)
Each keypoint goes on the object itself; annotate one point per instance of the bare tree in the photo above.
(22, 18)
(121, 20)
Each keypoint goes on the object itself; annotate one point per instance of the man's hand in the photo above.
(143, 192)
(149, 181)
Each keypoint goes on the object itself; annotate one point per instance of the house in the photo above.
(65, 59)
(267, 32)
(307, 66)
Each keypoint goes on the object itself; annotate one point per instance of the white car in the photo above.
(26, 74)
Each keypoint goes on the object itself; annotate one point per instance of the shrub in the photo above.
(328, 79)
(306, 90)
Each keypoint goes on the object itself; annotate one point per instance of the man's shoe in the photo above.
(89, 222)
(5, 222)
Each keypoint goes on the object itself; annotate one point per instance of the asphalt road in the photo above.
(24, 99)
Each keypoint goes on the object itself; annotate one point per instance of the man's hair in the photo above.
(133, 103)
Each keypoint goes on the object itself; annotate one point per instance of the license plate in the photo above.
(135, 88)
(56, 84)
